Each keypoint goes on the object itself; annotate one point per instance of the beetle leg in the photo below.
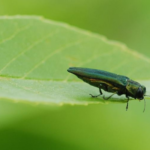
(105, 87)
(93, 96)
(127, 102)
(99, 91)
(108, 97)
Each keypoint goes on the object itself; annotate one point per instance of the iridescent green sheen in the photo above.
(110, 82)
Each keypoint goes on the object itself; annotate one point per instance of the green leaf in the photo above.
(36, 53)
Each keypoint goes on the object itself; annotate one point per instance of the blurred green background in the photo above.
(82, 127)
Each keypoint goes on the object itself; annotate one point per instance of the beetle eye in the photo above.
(139, 93)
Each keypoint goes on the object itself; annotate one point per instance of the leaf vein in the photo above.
(14, 35)
(24, 51)
(50, 55)
(29, 89)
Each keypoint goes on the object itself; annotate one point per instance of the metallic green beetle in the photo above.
(110, 82)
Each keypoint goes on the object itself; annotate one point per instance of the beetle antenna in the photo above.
(144, 104)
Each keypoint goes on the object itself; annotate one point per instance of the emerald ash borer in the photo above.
(110, 82)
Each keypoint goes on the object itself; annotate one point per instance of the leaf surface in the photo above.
(36, 53)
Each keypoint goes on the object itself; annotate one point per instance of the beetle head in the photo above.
(137, 90)
(140, 92)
